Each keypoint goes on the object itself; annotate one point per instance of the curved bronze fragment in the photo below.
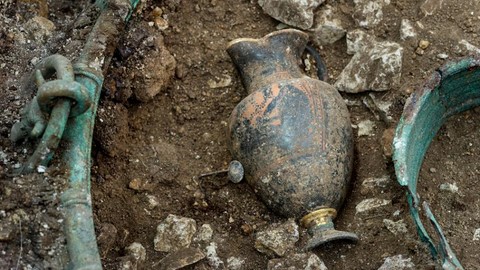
(451, 89)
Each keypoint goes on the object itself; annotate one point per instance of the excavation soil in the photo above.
(161, 146)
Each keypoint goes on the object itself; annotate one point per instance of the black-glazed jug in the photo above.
(292, 134)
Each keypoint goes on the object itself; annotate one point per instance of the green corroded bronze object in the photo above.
(70, 103)
(452, 89)
(291, 136)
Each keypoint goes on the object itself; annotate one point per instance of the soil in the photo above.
(167, 141)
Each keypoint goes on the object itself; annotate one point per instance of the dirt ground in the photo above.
(167, 142)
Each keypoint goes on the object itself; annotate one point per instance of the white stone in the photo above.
(212, 257)
(407, 30)
(449, 187)
(375, 67)
(397, 262)
(370, 204)
(442, 56)
(152, 201)
(366, 128)
(469, 47)
(174, 233)
(476, 235)
(225, 81)
(374, 182)
(137, 251)
(234, 263)
(305, 261)
(369, 13)
(395, 227)
(277, 239)
(41, 169)
(314, 263)
(357, 40)
(205, 233)
(327, 28)
(298, 13)
(125, 265)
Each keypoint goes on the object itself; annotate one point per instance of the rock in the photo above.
(467, 46)
(395, 227)
(387, 142)
(442, 56)
(380, 108)
(304, 261)
(225, 81)
(358, 40)
(375, 66)
(212, 256)
(126, 264)
(429, 6)
(327, 28)
(159, 68)
(40, 28)
(174, 233)
(423, 44)
(371, 204)
(369, 13)
(277, 238)
(420, 51)
(136, 255)
(107, 236)
(152, 201)
(397, 262)
(297, 13)
(234, 263)
(453, 188)
(366, 128)
(137, 184)
(407, 31)
(205, 233)
(137, 251)
(160, 23)
(375, 182)
(476, 235)
(181, 258)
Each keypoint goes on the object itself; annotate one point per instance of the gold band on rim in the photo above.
(318, 217)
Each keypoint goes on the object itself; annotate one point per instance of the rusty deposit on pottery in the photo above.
(292, 134)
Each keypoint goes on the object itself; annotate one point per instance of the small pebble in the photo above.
(449, 187)
(420, 51)
(476, 235)
(442, 56)
(205, 233)
(395, 227)
(370, 204)
(247, 229)
(366, 128)
(137, 251)
(234, 263)
(135, 184)
(397, 262)
(433, 170)
(423, 44)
